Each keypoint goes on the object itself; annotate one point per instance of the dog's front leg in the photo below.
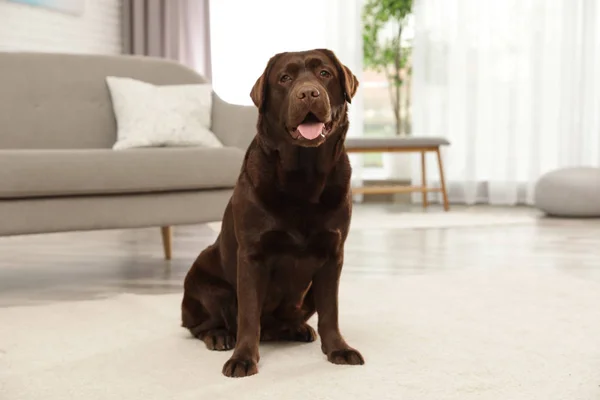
(252, 280)
(325, 286)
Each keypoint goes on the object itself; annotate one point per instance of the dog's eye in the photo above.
(285, 78)
(325, 74)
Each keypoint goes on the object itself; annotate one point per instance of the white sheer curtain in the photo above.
(514, 85)
(245, 34)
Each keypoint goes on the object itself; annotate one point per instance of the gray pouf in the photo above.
(569, 192)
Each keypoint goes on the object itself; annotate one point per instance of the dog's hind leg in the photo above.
(290, 323)
(301, 332)
(209, 303)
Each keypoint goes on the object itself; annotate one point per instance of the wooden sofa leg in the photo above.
(442, 180)
(167, 240)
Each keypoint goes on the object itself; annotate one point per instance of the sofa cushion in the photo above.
(161, 115)
(61, 101)
(43, 173)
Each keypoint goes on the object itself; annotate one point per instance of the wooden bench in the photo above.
(421, 145)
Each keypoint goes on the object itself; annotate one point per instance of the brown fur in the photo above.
(280, 252)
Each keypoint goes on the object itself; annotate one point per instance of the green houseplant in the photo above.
(383, 25)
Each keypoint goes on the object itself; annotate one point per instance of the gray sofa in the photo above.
(57, 169)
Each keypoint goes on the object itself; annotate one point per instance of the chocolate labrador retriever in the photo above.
(280, 252)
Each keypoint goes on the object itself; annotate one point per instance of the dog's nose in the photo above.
(307, 92)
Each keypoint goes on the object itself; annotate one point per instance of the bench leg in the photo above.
(167, 240)
(442, 180)
(424, 179)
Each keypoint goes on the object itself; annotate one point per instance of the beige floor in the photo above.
(87, 265)
(480, 303)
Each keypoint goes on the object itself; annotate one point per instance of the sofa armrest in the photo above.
(234, 125)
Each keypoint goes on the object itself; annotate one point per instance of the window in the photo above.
(379, 118)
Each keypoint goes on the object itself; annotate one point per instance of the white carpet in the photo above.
(470, 335)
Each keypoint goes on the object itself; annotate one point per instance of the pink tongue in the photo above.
(311, 130)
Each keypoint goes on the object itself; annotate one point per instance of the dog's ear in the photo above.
(347, 78)
(258, 94)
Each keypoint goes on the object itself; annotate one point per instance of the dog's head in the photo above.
(303, 95)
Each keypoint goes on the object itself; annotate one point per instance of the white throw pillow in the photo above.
(161, 116)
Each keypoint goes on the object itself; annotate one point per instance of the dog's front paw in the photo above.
(238, 367)
(346, 357)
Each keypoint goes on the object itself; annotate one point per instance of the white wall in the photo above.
(30, 28)
(254, 33)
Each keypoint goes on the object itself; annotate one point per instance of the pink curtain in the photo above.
(175, 29)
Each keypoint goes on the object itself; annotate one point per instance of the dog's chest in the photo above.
(294, 257)
(300, 244)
